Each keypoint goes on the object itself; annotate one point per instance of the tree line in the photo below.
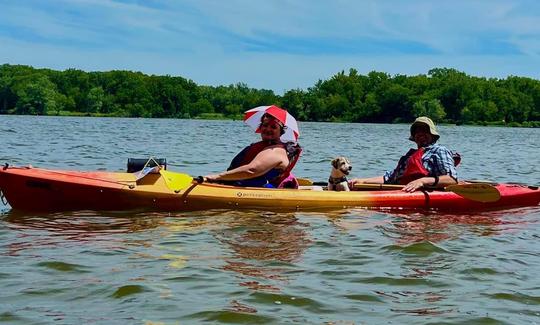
(446, 95)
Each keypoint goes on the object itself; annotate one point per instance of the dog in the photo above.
(341, 167)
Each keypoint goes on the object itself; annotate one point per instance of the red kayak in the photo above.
(36, 189)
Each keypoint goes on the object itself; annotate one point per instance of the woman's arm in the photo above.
(260, 165)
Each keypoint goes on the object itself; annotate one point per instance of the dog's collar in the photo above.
(335, 181)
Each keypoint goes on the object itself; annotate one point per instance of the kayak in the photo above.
(47, 190)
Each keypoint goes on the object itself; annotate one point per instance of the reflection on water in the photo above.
(82, 225)
(39, 231)
(258, 241)
(266, 237)
(437, 226)
(430, 226)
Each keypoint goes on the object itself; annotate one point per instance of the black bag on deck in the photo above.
(136, 164)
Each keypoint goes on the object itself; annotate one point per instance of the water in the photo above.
(343, 267)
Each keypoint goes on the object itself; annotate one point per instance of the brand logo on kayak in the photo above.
(254, 195)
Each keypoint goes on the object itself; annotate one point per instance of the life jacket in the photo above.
(274, 177)
(248, 154)
(415, 169)
(287, 178)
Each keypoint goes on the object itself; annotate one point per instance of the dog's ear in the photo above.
(335, 163)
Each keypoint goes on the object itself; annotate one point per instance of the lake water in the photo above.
(343, 267)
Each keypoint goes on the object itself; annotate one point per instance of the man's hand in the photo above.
(413, 186)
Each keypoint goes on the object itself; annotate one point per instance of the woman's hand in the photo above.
(211, 178)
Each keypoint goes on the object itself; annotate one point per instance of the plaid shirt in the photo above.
(437, 160)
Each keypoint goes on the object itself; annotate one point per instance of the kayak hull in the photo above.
(44, 190)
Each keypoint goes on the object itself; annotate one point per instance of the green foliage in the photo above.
(232, 109)
(36, 95)
(446, 95)
(295, 101)
(94, 100)
(429, 107)
(200, 107)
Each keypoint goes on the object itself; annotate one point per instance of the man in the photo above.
(429, 164)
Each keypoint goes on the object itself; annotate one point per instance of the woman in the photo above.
(267, 163)
(429, 164)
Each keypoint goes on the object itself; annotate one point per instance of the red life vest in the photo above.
(250, 152)
(414, 169)
(286, 179)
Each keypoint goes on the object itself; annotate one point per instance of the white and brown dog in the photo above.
(341, 166)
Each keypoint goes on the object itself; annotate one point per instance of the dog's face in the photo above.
(342, 164)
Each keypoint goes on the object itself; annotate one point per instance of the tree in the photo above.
(200, 107)
(395, 103)
(232, 110)
(294, 102)
(429, 107)
(369, 109)
(37, 95)
(6, 95)
(94, 100)
(443, 94)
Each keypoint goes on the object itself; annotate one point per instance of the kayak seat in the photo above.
(136, 164)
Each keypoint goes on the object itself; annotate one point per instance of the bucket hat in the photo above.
(427, 121)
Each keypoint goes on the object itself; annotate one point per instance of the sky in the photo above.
(273, 44)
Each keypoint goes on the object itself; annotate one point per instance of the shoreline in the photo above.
(221, 117)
